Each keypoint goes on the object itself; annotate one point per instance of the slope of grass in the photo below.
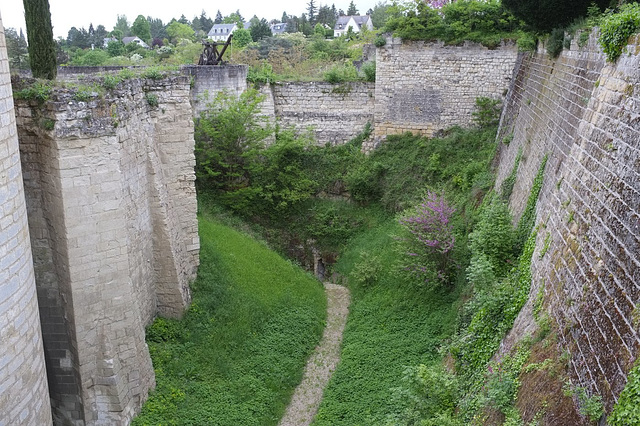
(392, 324)
(240, 350)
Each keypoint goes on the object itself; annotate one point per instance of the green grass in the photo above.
(392, 324)
(240, 350)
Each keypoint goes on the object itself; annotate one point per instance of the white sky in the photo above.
(80, 13)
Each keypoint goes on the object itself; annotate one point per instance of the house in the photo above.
(220, 32)
(136, 40)
(355, 22)
(278, 28)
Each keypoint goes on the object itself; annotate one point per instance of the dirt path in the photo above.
(322, 363)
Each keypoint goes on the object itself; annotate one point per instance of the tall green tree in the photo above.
(157, 28)
(312, 9)
(141, 28)
(259, 29)
(219, 18)
(16, 49)
(42, 48)
(122, 25)
(352, 9)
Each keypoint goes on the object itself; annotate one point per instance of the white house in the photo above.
(278, 28)
(136, 40)
(220, 32)
(355, 22)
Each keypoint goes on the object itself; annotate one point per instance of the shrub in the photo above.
(555, 42)
(228, 134)
(367, 270)
(494, 237)
(616, 28)
(627, 410)
(527, 42)
(341, 74)
(380, 41)
(429, 238)
(152, 99)
(487, 113)
(369, 71)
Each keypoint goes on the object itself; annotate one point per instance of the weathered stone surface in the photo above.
(24, 398)
(112, 212)
(582, 112)
(425, 87)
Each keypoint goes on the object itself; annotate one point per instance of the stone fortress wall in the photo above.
(110, 191)
(24, 398)
(584, 113)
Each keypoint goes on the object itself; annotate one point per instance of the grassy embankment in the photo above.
(240, 350)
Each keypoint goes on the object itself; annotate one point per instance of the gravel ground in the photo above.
(322, 363)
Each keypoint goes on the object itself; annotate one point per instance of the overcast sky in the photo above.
(76, 13)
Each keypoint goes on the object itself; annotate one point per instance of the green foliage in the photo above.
(367, 270)
(228, 135)
(154, 73)
(241, 37)
(493, 237)
(90, 58)
(141, 28)
(240, 349)
(380, 41)
(84, 93)
(506, 188)
(616, 28)
(369, 71)
(47, 123)
(115, 48)
(110, 81)
(427, 395)
(42, 47)
(177, 31)
(526, 222)
(152, 99)
(627, 410)
(341, 74)
(39, 91)
(589, 406)
(555, 42)
(487, 112)
(544, 15)
(527, 42)
(483, 22)
(395, 173)
(262, 73)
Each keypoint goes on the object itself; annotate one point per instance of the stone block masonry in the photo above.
(334, 113)
(112, 213)
(585, 114)
(425, 87)
(24, 398)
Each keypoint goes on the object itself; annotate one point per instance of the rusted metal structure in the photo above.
(210, 54)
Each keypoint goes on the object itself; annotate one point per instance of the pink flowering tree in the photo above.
(428, 239)
(437, 4)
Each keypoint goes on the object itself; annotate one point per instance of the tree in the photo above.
(379, 15)
(115, 48)
(326, 16)
(176, 31)
(259, 29)
(311, 7)
(157, 28)
(183, 20)
(205, 22)
(219, 18)
(234, 18)
(352, 9)
(122, 25)
(99, 35)
(42, 48)
(17, 49)
(545, 15)
(78, 38)
(241, 37)
(141, 28)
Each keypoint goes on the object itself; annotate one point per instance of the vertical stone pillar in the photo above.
(24, 398)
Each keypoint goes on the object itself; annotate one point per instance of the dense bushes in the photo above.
(545, 15)
(483, 22)
(616, 28)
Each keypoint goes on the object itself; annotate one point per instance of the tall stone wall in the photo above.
(584, 113)
(112, 213)
(334, 113)
(24, 398)
(422, 87)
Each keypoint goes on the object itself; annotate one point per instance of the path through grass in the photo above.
(240, 350)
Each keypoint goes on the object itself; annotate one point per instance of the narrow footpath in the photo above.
(322, 363)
